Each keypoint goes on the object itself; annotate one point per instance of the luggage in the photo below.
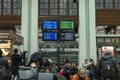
(27, 73)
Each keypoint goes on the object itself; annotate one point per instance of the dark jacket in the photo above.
(3, 64)
(16, 62)
(99, 66)
(3, 61)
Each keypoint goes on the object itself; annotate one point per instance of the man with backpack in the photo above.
(107, 67)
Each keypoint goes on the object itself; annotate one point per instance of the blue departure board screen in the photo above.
(50, 36)
(49, 25)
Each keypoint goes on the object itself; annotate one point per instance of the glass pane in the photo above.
(44, 5)
(6, 5)
(63, 5)
(70, 0)
(99, 6)
(108, 0)
(0, 5)
(43, 0)
(0, 0)
(16, 11)
(43, 11)
(72, 11)
(117, 6)
(0, 11)
(63, 11)
(53, 11)
(17, 0)
(53, 5)
(53, 0)
(6, 11)
(19, 11)
(9, 0)
(6, 0)
(74, 5)
(99, 1)
(109, 6)
(63, 0)
(70, 5)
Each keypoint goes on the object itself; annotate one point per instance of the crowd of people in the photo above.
(105, 68)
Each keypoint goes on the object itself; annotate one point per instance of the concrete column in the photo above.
(30, 25)
(87, 37)
(92, 24)
(25, 21)
(82, 32)
(34, 26)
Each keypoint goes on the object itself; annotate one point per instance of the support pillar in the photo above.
(29, 25)
(87, 34)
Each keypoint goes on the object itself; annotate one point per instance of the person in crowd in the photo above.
(67, 69)
(61, 72)
(81, 75)
(73, 69)
(6, 75)
(91, 68)
(16, 62)
(38, 56)
(107, 67)
(3, 64)
(33, 63)
(85, 64)
(48, 70)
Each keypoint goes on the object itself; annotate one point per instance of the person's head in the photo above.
(15, 50)
(85, 60)
(69, 65)
(1, 52)
(81, 72)
(91, 61)
(47, 70)
(33, 63)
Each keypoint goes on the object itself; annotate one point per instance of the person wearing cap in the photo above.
(81, 75)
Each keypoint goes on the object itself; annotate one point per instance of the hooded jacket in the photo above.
(76, 77)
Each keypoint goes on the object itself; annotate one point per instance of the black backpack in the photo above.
(108, 68)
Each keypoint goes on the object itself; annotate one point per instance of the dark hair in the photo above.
(15, 50)
(47, 68)
(1, 52)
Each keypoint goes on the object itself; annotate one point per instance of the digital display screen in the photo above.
(67, 25)
(49, 25)
(50, 36)
(68, 36)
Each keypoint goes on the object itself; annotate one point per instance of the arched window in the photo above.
(58, 7)
(10, 7)
(107, 4)
(17, 5)
(117, 4)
